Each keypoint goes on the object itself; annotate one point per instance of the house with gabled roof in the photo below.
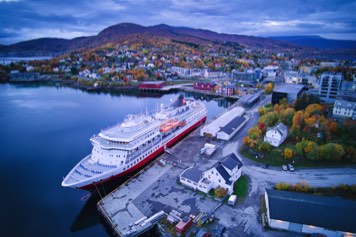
(222, 174)
(276, 135)
(344, 110)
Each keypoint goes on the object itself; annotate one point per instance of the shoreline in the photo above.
(108, 89)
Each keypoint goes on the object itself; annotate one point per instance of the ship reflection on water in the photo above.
(89, 216)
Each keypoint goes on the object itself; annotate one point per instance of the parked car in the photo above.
(290, 167)
(203, 232)
(219, 230)
(284, 167)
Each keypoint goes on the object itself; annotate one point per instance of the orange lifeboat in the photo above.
(182, 123)
(169, 125)
(175, 123)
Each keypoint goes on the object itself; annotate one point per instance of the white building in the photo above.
(187, 72)
(293, 77)
(344, 110)
(29, 68)
(213, 128)
(276, 135)
(212, 74)
(329, 64)
(310, 214)
(223, 174)
(270, 71)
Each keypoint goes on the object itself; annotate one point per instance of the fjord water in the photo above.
(45, 131)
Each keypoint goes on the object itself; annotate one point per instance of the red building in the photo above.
(183, 225)
(151, 85)
(206, 86)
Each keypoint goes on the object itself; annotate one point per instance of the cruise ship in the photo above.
(127, 146)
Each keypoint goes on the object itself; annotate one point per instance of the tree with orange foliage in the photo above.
(199, 64)
(298, 120)
(183, 63)
(220, 191)
(314, 109)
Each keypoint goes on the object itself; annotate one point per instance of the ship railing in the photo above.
(83, 174)
(91, 170)
(107, 165)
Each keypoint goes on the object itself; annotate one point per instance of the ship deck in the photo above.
(116, 131)
(85, 170)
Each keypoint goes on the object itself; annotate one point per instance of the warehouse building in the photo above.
(225, 126)
(310, 214)
(288, 91)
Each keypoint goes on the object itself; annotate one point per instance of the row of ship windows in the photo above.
(149, 135)
(111, 155)
(133, 163)
(118, 142)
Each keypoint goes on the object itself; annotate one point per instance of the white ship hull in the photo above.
(111, 158)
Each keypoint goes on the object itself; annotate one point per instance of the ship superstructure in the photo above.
(129, 145)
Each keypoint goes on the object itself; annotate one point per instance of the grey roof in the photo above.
(231, 161)
(193, 174)
(326, 212)
(345, 104)
(280, 128)
(233, 124)
(290, 88)
(222, 172)
(249, 98)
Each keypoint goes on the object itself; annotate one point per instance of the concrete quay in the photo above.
(156, 188)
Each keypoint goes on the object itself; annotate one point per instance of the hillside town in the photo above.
(296, 112)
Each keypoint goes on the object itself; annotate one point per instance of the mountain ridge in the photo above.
(317, 41)
(126, 32)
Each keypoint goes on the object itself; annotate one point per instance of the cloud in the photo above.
(20, 20)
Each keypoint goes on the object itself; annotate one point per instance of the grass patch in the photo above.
(275, 158)
(263, 207)
(241, 188)
(342, 190)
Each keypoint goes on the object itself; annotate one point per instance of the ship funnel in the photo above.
(179, 102)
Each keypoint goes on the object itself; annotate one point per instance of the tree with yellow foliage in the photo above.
(269, 88)
(288, 153)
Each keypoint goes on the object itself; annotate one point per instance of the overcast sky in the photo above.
(29, 19)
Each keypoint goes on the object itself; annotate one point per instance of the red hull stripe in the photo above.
(150, 157)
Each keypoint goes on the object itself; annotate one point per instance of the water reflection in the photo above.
(45, 132)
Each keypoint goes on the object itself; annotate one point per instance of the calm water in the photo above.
(45, 131)
(8, 60)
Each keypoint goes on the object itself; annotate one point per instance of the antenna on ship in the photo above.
(146, 111)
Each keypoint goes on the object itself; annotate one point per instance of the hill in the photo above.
(129, 32)
(317, 42)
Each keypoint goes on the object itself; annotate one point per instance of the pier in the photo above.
(129, 209)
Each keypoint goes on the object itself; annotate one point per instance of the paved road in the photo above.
(260, 178)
